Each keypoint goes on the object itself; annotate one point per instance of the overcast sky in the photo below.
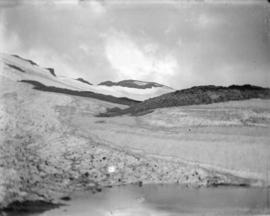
(177, 44)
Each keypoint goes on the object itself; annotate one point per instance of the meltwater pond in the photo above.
(166, 200)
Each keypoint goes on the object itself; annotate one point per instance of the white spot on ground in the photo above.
(111, 169)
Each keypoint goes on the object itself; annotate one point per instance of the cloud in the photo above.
(10, 43)
(208, 21)
(85, 48)
(178, 46)
(36, 3)
(7, 43)
(49, 58)
(142, 62)
(97, 7)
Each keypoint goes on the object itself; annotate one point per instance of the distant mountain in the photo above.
(84, 81)
(195, 95)
(133, 84)
(135, 89)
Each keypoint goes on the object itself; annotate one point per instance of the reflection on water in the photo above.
(166, 200)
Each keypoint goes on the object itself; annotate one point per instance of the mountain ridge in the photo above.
(39, 86)
(131, 83)
(193, 96)
(18, 68)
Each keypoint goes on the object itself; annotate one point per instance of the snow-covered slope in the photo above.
(135, 89)
(24, 69)
(137, 84)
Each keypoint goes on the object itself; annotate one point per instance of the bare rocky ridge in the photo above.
(84, 81)
(27, 60)
(51, 70)
(15, 67)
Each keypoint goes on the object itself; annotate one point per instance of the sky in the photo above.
(176, 43)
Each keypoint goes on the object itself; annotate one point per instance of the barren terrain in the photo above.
(53, 144)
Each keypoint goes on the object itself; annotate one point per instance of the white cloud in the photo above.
(45, 57)
(150, 48)
(49, 58)
(131, 61)
(180, 42)
(96, 6)
(84, 48)
(10, 43)
(208, 21)
(42, 2)
(169, 29)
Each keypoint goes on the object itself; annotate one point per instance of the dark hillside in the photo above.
(195, 95)
(51, 70)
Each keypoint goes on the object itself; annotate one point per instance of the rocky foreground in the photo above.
(44, 157)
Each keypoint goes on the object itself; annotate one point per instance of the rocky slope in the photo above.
(195, 95)
(52, 144)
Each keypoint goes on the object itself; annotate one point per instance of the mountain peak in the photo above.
(51, 70)
(133, 84)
